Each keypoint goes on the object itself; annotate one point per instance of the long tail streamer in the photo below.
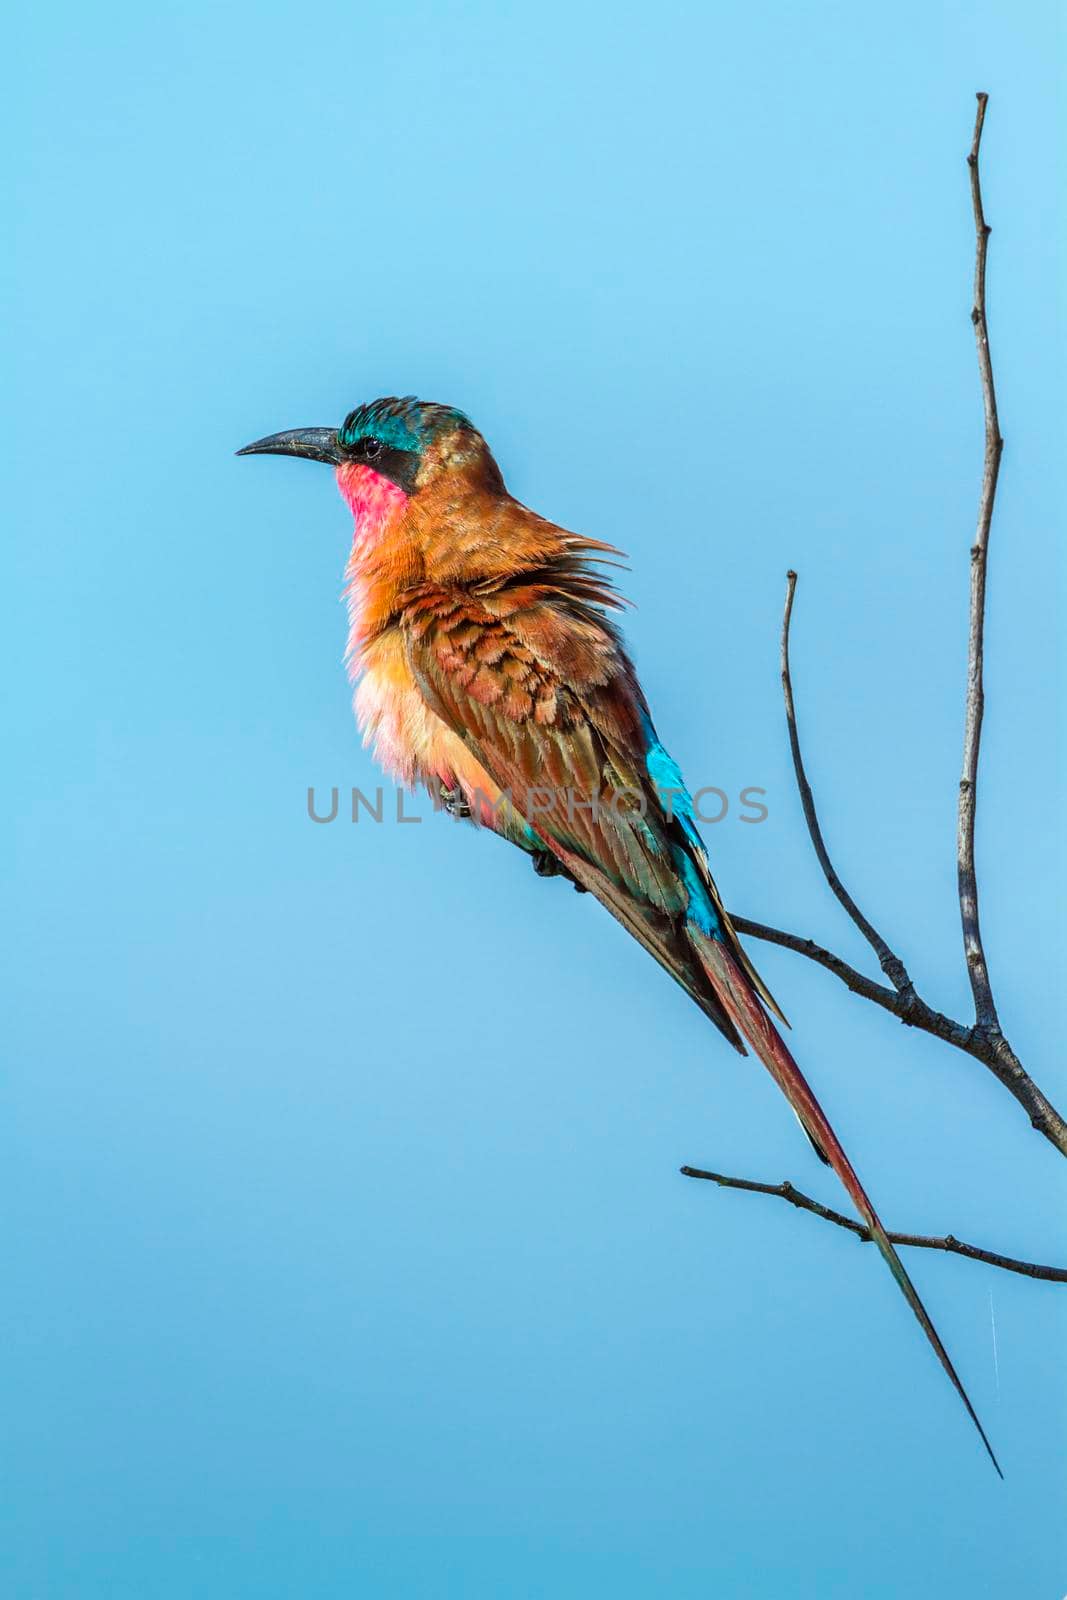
(749, 1017)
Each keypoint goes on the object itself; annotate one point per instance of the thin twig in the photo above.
(920, 1241)
(985, 1010)
(889, 962)
(985, 1045)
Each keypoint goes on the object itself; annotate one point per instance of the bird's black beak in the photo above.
(314, 444)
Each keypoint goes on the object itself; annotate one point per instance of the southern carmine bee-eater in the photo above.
(489, 671)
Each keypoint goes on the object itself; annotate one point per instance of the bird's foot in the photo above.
(546, 865)
(455, 802)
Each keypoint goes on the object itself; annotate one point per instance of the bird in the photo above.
(489, 668)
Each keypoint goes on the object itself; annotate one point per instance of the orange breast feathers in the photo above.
(411, 742)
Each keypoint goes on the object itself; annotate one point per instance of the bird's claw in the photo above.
(455, 802)
(546, 865)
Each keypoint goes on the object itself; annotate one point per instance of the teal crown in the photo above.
(401, 424)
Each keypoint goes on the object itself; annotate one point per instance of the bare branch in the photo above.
(986, 1045)
(889, 962)
(985, 1010)
(920, 1241)
(984, 1040)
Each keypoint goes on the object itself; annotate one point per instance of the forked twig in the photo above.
(984, 1039)
(986, 1044)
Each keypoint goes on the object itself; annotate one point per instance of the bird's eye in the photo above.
(372, 449)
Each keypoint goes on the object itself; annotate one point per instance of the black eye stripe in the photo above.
(389, 460)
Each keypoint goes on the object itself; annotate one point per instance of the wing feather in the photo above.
(541, 691)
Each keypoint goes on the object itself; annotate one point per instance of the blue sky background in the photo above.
(345, 1250)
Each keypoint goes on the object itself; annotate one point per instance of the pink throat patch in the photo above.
(373, 500)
